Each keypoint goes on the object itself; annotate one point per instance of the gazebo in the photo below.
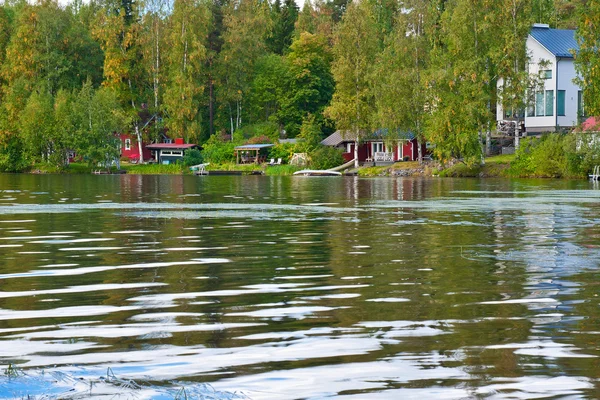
(251, 153)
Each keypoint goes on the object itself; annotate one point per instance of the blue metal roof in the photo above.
(559, 42)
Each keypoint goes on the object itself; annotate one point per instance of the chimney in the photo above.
(179, 141)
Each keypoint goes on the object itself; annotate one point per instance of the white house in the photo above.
(557, 102)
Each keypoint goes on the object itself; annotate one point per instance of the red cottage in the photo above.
(377, 149)
(130, 148)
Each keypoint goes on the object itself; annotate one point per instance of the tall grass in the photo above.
(156, 169)
(280, 170)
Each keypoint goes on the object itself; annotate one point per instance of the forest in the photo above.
(220, 70)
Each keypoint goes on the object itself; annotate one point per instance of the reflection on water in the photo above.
(294, 287)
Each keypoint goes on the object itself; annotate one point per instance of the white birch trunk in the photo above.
(138, 134)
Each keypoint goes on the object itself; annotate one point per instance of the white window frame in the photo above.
(127, 144)
(377, 147)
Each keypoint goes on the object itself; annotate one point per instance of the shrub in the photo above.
(325, 157)
(283, 151)
(192, 157)
(553, 156)
(217, 151)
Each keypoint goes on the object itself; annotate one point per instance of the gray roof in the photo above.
(253, 146)
(559, 42)
(339, 137)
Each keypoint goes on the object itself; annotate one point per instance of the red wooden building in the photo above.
(130, 148)
(377, 149)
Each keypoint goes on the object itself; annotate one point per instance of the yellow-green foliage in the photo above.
(553, 156)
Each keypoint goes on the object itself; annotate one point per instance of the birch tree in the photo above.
(354, 51)
(246, 26)
(186, 56)
(460, 81)
(401, 99)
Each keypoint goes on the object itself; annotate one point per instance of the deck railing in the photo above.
(383, 157)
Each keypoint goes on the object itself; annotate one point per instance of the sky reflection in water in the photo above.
(288, 288)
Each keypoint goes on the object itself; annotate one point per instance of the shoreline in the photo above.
(493, 167)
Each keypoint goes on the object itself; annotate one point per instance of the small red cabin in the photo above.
(377, 149)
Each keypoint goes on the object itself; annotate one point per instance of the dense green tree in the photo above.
(271, 77)
(462, 81)
(310, 85)
(96, 118)
(154, 28)
(316, 18)
(400, 89)
(246, 26)
(587, 60)
(64, 129)
(38, 51)
(355, 49)
(509, 56)
(186, 57)
(36, 124)
(284, 20)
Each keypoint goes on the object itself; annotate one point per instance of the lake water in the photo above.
(303, 288)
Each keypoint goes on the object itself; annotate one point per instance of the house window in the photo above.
(127, 144)
(547, 74)
(549, 103)
(544, 104)
(348, 147)
(539, 104)
(560, 103)
(377, 147)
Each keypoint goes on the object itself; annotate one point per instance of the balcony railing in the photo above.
(383, 157)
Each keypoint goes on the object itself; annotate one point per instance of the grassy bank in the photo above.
(155, 169)
(496, 166)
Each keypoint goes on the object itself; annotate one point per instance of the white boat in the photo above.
(317, 172)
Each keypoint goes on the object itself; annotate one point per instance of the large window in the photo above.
(549, 103)
(560, 103)
(539, 104)
(544, 104)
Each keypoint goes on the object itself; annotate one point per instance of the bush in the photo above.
(325, 157)
(553, 156)
(192, 157)
(217, 151)
(283, 151)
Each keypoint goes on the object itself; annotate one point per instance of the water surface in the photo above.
(298, 287)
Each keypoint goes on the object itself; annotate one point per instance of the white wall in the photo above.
(538, 54)
(566, 74)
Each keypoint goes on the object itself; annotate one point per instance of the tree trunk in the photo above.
(231, 120)
(138, 134)
(210, 106)
(356, 151)
(488, 141)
